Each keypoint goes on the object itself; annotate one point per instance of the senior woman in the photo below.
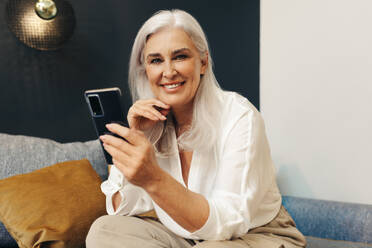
(195, 154)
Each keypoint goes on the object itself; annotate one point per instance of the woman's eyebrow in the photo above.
(184, 49)
(181, 50)
(153, 55)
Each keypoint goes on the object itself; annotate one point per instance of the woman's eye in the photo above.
(155, 61)
(181, 57)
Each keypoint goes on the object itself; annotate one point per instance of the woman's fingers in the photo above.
(154, 104)
(115, 153)
(124, 161)
(136, 113)
(135, 158)
(145, 113)
(157, 103)
(151, 102)
(148, 112)
(118, 143)
(132, 136)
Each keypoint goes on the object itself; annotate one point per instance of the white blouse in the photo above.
(237, 179)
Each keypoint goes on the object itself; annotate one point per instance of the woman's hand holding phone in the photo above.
(134, 156)
(144, 114)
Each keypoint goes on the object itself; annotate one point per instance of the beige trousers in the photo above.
(135, 232)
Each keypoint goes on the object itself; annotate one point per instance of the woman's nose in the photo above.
(169, 70)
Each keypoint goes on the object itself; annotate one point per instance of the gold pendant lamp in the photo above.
(41, 24)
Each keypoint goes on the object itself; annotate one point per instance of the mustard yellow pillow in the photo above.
(53, 206)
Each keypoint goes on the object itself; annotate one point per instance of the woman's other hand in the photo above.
(135, 157)
(144, 114)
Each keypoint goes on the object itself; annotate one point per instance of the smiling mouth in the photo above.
(172, 86)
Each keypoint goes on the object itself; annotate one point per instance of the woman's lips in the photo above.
(173, 86)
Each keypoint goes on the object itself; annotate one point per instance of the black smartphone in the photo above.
(105, 107)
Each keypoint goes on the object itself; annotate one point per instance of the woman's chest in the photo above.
(185, 160)
(200, 169)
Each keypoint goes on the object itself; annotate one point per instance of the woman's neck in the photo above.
(182, 117)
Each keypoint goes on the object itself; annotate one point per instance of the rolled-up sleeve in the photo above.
(245, 193)
(134, 200)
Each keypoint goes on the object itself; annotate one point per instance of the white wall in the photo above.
(316, 96)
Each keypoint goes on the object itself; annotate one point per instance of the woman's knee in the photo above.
(124, 231)
(112, 227)
(95, 231)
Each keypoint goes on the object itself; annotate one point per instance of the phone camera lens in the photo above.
(95, 105)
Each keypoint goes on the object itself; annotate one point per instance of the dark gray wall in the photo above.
(41, 93)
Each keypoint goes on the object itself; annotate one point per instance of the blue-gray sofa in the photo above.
(326, 224)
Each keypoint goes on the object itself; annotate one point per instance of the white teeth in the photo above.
(171, 86)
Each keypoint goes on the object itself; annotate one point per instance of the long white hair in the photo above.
(203, 132)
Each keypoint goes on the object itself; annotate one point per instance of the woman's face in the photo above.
(173, 66)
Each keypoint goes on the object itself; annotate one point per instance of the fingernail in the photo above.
(102, 137)
(108, 125)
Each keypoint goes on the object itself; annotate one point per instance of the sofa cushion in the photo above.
(22, 154)
(313, 242)
(330, 219)
(52, 206)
